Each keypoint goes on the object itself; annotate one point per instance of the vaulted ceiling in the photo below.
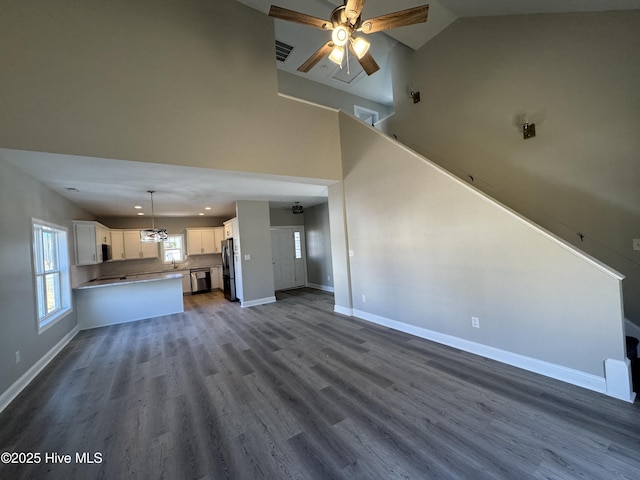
(306, 40)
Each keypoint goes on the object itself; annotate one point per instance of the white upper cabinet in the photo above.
(229, 227)
(218, 233)
(134, 249)
(202, 241)
(117, 245)
(89, 238)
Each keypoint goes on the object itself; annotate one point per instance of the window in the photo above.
(51, 272)
(172, 249)
(298, 244)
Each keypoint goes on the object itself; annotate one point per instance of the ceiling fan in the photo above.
(345, 20)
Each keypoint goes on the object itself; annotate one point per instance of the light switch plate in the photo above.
(636, 243)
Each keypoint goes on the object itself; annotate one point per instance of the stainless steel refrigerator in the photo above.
(228, 270)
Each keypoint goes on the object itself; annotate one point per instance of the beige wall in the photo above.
(173, 225)
(576, 75)
(256, 255)
(280, 217)
(23, 198)
(431, 252)
(299, 87)
(168, 82)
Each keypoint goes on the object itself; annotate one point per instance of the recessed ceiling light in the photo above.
(201, 213)
(140, 213)
(207, 208)
(138, 207)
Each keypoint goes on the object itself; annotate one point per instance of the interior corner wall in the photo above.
(255, 252)
(175, 82)
(23, 198)
(339, 249)
(285, 217)
(296, 86)
(576, 77)
(431, 252)
(318, 242)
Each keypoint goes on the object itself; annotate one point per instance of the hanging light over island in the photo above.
(153, 235)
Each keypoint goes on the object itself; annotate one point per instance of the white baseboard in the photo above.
(615, 387)
(14, 390)
(343, 310)
(257, 301)
(619, 382)
(317, 286)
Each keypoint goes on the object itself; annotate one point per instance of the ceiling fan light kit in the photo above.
(337, 54)
(360, 46)
(340, 36)
(344, 21)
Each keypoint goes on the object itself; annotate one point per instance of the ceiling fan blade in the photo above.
(367, 62)
(402, 18)
(353, 8)
(316, 57)
(297, 17)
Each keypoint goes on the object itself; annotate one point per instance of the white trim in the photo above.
(64, 271)
(14, 390)
(296, 99)
(564, 374)
(618, 376)
(324, 288)
(343, 310)
(257, 301)
(631, 329)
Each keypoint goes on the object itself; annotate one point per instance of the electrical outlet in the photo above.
(329, 278)
(636, 244)
(475, 322)
(364, 298)
(351, 253)
(18, 356)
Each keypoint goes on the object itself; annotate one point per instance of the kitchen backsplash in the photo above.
(152, 265)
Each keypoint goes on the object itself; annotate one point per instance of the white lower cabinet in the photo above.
(186, 281)
(216, 277)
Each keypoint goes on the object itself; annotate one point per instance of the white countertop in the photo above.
(128, 279)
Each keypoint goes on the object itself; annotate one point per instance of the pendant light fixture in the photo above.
(153, 235)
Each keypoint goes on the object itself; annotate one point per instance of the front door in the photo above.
(289, 269)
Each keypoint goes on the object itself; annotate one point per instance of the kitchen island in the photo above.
(108, 301)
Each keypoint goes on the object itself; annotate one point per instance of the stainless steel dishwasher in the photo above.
(200, 280)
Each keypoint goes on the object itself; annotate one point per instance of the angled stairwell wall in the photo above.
(427, 252)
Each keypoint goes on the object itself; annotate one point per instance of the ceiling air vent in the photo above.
(282, 51)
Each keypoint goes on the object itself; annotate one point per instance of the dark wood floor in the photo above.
(292, 390)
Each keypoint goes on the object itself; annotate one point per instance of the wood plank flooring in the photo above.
(292, 390)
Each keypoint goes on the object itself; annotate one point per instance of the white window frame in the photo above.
(182, 250)
(57, 268)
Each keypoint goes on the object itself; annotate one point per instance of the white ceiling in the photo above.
(306, 40)
(113, 187)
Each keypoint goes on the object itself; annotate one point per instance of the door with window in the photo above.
(289, 257)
